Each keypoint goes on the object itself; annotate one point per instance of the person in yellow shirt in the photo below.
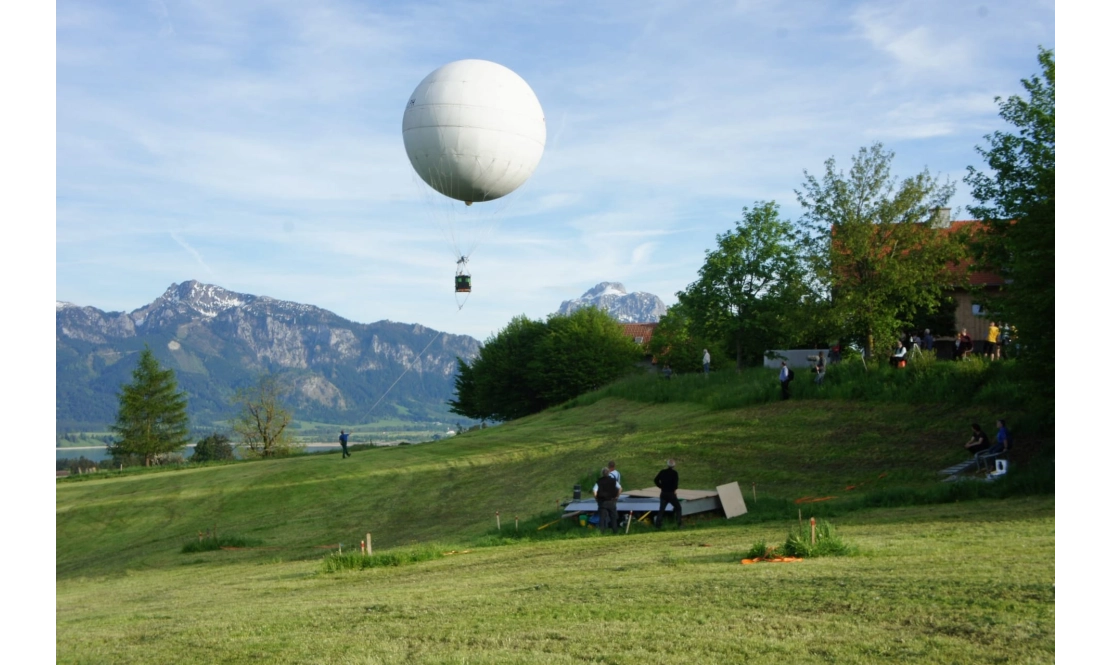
(993, 349)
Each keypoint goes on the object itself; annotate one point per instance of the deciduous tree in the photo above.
(748, 285)
(263, 420)
(1018, 204)
(151, 419)
(874, 245)
(531, 365)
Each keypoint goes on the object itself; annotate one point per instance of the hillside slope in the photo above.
(449, 490)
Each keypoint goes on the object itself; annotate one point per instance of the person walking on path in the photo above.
(343, 442)
(705, 361)
(667, 482)
(785, 376)
(606, 491)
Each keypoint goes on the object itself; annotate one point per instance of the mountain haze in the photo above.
(218, 341)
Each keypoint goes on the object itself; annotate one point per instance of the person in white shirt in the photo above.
(899, 355)
(784, 380)
(705, 360)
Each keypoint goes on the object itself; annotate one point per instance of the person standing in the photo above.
(667, 482)
(606, 491)
(667, 371)
(927, 340)
(820, 368)
(343, 442)
(612, 466)
(992, 347)
(785, 375)
(705, 361)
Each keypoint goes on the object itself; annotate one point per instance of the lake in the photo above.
(100, 453)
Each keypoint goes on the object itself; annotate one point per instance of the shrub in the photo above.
(208, 544)
(336, 562)
(827, 542)
(212, 448)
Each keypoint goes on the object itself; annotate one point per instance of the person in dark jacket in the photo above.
(606, 490)
(667, 482)
(343, 442)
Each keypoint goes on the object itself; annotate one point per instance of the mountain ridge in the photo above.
(614, 299)
(218, 341)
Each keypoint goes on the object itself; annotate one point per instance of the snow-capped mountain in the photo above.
(613, 298)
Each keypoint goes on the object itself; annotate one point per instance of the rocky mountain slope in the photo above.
(612, 297)
(218, 341)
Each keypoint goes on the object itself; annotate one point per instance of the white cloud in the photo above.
(268, 136)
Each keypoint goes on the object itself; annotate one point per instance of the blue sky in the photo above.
(258, 145)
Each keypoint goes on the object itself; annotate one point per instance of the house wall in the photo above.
(977, 324)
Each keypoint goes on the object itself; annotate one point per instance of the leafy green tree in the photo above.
(531, 365)
(151, 419)
(497, 384)
(213, 447)
(581, 351)
(874, 247)
(748, 285)
(1018, 205)
(675, 343)
(263, 420)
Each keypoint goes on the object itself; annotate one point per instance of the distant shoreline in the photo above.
(320, 444)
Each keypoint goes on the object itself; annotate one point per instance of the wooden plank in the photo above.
(732, 501)
(685, 495)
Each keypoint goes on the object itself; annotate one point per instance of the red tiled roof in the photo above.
(975, 278)
(641, 330)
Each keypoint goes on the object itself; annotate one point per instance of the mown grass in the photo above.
(945, 572)
(968, 582)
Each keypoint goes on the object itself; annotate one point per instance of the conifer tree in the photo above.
(151, 418)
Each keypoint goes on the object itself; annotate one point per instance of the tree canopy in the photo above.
(1017, 202)
(531, 365)
(748, 285)
(151, 420)
(874, 247)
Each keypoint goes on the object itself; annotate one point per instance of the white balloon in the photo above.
(474, 130)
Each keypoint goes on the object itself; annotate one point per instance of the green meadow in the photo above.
(940, 572)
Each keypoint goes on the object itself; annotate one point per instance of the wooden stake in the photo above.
(498, 516)
(628, 524)
(753, 493)
(369, 551)
(516, 519)
(799, 518)
(362, 547)
(341, 548)
(813, 531)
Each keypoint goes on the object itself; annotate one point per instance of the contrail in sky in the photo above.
(196, 255)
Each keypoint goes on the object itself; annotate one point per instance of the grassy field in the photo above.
(950, 582)
(970, 582)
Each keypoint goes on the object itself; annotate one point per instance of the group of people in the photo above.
(608, 489)
(979, 444)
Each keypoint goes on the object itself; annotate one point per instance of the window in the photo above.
(639, 340)
(978, 310)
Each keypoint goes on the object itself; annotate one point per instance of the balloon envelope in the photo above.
(474, 130)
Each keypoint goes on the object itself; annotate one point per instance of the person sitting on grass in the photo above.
(978, 442)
